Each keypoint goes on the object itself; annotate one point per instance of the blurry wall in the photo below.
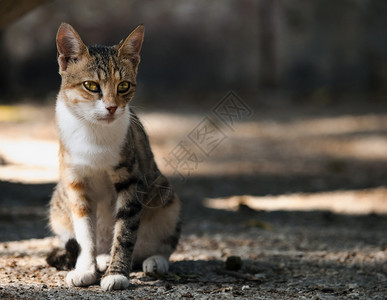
(313, 49)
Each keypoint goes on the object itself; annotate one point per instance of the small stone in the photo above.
(168, 287)
(352, 286)
(260, 276)
(353, 295)
(187, 295)
(245, 287)
(233, 263)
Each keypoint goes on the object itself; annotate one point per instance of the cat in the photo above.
(112, 208)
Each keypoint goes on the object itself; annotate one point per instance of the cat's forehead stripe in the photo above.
(106, 64)
(116, 69)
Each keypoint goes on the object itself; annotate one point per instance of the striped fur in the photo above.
(111, 197)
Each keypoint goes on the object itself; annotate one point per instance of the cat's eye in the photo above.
(91, 86)
(123, 87)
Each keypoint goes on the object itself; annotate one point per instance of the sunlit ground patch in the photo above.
(346, 202)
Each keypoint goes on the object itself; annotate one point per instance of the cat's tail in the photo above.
(64, 259)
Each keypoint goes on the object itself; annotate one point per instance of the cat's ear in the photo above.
(130, 48)
(70, 46)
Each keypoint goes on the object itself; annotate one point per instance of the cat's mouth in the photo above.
(106, 119)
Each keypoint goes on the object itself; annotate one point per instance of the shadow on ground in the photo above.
(286, 253)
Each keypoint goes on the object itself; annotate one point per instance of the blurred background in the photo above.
(313, 50)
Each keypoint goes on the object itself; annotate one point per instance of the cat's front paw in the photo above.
(81, 278)
(114, 282)
(157, 263)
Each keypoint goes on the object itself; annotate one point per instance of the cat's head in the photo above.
(97, 81)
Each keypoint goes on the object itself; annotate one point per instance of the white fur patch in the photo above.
(157, 263)
(103, 261)
(84, 234)
(91, 144)
(114, 282)
(81, 278)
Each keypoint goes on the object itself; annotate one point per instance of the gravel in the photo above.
(287, 251)
(322, 257)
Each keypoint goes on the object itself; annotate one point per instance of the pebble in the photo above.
(352, 286)
(353, 295)
(233, 263)
(260, 276)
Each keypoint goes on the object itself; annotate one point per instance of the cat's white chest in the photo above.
(91, 145)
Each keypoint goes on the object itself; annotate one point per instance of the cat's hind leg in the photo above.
(60, 216)
(63, 258)
(156, 263)
(157, 238)
(103, 261)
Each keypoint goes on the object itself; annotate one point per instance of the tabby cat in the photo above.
(112, 208)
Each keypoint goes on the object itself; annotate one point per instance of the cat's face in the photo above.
(98, 81)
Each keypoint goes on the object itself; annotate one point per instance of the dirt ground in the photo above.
(297, 192)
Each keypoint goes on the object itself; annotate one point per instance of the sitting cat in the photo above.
(112, 207)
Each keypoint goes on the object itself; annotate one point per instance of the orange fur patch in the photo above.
(80, 210)
(77, 186)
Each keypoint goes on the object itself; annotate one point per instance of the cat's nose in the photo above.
(111, 109)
